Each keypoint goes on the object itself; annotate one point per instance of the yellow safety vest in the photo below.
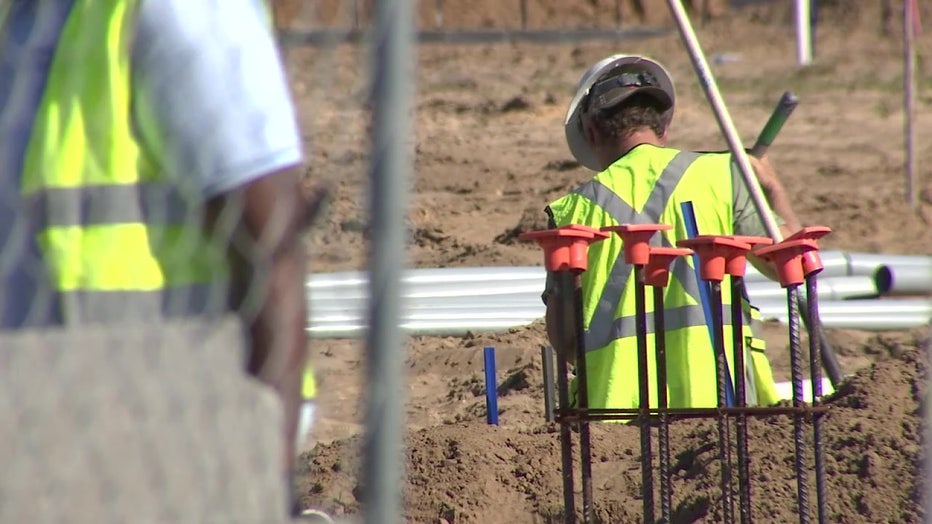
(647, 185)
(119, 240)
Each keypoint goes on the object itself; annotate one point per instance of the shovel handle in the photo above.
(781, 113)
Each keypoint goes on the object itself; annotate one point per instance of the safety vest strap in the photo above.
(602, 326)
(112, 204)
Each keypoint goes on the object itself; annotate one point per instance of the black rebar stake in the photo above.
(546, 358)
(815, 366)
(644, 419)
(741, 420)
(724, 448)
(573, 281)
(802, 480)
(563, 394)
(660, 355)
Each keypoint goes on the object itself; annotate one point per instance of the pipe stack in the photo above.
(858, 290)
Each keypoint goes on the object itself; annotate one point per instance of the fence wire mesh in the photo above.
(139, 259)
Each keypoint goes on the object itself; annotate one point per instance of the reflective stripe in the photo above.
(111, 204)
(674, 318)
(88, 307)
(601, 327)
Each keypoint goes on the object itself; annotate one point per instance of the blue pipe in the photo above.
(692, 231)
(491, 388)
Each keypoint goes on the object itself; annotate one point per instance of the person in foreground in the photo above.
(149, 167)
(618, 125)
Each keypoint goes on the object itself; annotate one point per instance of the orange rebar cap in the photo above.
(565, 248)
(787, 258)
(713, 251)
(812, 262)
(657, 270)
(736, 265)
(636, 238)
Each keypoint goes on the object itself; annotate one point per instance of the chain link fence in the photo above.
(123, 391)
(133, 275)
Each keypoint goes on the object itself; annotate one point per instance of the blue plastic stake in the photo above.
(491, 387)
(692, 231)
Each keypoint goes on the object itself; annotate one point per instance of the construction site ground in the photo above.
(489, 154)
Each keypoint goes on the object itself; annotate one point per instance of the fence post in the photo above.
(392, 72)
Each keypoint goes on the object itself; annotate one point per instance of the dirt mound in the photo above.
(466, 471)
(489, 154)
(883, 15)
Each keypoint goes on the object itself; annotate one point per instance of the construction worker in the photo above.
(149, 159)
(617, 125)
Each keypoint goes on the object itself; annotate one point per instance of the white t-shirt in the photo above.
(211, 106)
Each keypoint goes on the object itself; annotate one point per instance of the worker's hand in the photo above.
(766, 174)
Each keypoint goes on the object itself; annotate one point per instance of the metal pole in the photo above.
(660, 347)
(721, 371)
(727, 126)
(909, 98)
(582, 395)
(546, 357)
(815, 370)
(803, 32)
(392, 68)
(647, 477)
(744, 470)
(707, 81)
(438, 13)
(566, 446)
(802, 479)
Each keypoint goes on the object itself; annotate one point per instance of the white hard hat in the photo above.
(656, 82)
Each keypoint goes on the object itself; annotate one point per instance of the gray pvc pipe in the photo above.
(830, 288)
(866, 308)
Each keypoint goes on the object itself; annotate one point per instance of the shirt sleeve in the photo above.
(550, 285)
(747, 220)
(211, 103)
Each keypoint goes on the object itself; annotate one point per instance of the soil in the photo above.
(489, 154)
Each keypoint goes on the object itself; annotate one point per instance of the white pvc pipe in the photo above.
(803, 32)
(785, 389)
(435, 304)
(460, 315)
(432, 276)
(904, 280)
(869, 263)
(458, 289)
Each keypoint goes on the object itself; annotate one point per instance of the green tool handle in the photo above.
(781, 113)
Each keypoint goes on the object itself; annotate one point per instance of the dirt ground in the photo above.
(489, 155)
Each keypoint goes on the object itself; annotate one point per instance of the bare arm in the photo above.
(779, 202)
(269, 266)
